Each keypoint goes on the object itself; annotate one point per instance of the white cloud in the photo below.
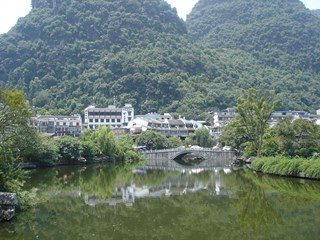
(10, 11)
(312, 4)
(183, 7)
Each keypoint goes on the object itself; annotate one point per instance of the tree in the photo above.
(253, 112)
(298, 137)
(270, 145)
(174, 142)
(39, 149)
(125, 153)
(14, 115)
(152, 139)
(69, 149)
(103, 138)
(233, 135)
(190, 140)
(88, 150)
(201, 137)
(102, 141)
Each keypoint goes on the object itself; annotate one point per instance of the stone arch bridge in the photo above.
(203, 158)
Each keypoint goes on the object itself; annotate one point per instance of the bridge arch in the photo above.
(194, 159)
(168, 157)
(186, 152)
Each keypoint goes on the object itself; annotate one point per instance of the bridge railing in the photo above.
(179, 149)
(164, 150)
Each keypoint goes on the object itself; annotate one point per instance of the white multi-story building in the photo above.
(57, 125)
(318, 117)
(224, 116)
(164, 124)
(109, 117)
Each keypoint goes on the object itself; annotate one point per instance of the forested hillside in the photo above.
(68, 54)
(282, 34)
(317, 11)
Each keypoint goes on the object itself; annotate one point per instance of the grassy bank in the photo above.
(297, 167)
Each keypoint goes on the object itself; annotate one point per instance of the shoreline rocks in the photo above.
(8, 202)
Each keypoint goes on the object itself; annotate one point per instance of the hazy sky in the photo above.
(11, 10)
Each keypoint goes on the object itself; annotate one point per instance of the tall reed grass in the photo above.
(284, 166)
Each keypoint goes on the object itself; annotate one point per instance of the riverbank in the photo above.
(289, 167)
(96, 160)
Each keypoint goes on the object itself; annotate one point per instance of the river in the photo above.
(98, 202)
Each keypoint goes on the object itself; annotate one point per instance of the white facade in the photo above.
(224, 116)
(109, 117)
(318, 117)
(167, 127)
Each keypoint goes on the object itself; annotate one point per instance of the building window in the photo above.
(96, 120)
(118, 120)
(102, 120)
(129, 118)
(113, 120)
(115, 113)
(91, 120)
(108, 120)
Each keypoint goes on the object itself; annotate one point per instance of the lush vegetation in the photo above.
(16, 138)
(281, 35)
(288, 167)
(250, 133)
(290, 148)
(293, 138)
(253, 113)
(247, 130)
(317, 12)
(68, 54)
(201, 137)
(154, 140)
(20, 142)
(99, 145)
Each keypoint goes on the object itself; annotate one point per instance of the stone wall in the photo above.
(8, 202)
(212, 158)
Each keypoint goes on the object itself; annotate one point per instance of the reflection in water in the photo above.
(114, 203)
(179, 185)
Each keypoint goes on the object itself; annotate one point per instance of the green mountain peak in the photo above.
(69, 54)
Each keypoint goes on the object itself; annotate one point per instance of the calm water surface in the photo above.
(98, 202)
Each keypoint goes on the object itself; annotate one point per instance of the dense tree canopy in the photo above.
(293, 138)
(152, 140)
(68, 54)
(14, 133)
(253, 113)
(201, 138)
(282, 34)
(317, 12)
